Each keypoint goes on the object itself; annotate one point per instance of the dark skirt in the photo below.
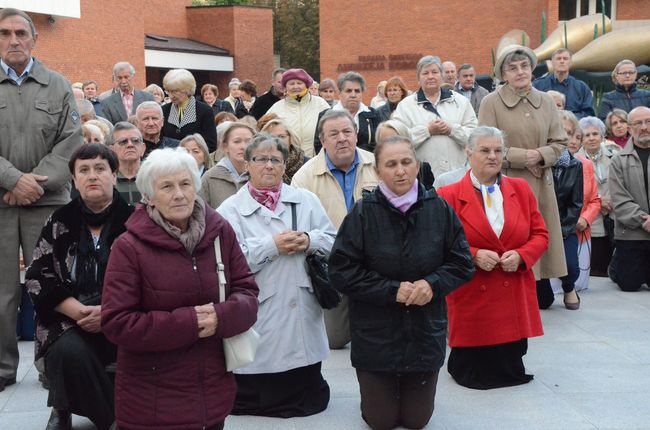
(295, 393)
(491, 366)
(75, 366)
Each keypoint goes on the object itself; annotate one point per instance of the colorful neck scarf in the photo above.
(268, 197)
(300, 95)
(404, 202)
(492, 203)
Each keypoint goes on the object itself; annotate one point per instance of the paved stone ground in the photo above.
(592, 371)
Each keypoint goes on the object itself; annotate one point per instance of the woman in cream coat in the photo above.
(439, 120)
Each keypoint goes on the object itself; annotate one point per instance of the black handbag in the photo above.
(318, 271)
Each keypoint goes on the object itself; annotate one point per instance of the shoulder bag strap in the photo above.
(221, 271)
(294, 222)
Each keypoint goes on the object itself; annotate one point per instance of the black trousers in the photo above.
(297, 392)
(601, 255)
(630, 265)
(389, 399)
(75, 366)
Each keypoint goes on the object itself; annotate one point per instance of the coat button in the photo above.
(506, 284)
(293, 304)
(483, 288)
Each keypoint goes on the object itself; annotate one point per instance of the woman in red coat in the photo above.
(161, 304)
(492, 316)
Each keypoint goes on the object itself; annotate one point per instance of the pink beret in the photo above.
(296, 74)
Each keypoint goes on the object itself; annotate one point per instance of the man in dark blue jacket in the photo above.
(579, 99)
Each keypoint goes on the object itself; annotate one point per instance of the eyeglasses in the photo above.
(636, 124)
(262, 161)
(626, 73)
(486, 152)
(125, 141)
(514, 68)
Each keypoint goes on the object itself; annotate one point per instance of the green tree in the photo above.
(296, 34)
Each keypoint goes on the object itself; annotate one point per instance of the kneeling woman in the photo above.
(398, 254)
(492, 316)
(277, 225)
(65, 283)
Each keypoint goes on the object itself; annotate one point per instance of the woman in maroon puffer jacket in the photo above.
(161, 307)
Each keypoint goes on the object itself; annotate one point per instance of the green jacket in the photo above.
(40, 129)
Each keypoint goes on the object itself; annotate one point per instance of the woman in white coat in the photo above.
(285, 379)
(439, 120)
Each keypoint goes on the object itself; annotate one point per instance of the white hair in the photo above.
(592, 121)
(180, 79)
(148, 105)
(161, 162)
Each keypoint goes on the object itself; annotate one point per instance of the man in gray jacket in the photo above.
(629, 187)
(39, 131)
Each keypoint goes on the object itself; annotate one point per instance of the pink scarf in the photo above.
(268, 197)
(403, 202)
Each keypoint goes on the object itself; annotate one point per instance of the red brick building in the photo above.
(82, 39)
(383, 39)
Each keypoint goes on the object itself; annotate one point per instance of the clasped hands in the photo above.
(207, 319)
(414, 293)
(28, 190)
(439, 127)
(91, 320)
(533, 158)
(291, 242)
(489, 260)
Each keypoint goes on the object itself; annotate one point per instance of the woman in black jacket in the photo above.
(185, 115)
(398, 254)
(568, 182)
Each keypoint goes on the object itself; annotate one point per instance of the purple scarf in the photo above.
(268, 197)
(403, 202)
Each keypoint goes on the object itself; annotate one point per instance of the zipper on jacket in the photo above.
(194, 263)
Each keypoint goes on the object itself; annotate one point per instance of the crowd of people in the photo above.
(448, 202)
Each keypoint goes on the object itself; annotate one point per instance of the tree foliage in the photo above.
(295, 30)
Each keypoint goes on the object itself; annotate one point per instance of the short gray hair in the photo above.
(517, 55)
(425, 61)
(482, 132)
(120, 126)
(118, 67)
(149, 104)
(334, 114)
(264, 140)
(200, 142)
(351, 77)
(592, 121)
(561, 51)
(181, 79)
(465, 66)
(86, 107)
(161, 162)
(10, 11)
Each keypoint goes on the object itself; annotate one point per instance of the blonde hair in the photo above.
(180, 79)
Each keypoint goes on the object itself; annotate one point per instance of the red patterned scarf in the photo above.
(268, 197)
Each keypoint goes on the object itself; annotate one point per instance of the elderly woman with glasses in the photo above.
(185, 115)
(492, 316)
(535, 140)
(626, 95)
(600, 152)
(277, 226)
(161, 303)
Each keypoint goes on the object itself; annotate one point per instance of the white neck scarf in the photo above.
(492, 202)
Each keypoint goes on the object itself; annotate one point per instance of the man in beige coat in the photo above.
(338, 175)
(534, 141)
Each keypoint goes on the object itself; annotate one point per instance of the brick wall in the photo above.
(87, 48)
(456, 31)
(632, 9)
(246, 31)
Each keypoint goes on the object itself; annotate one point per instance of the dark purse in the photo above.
(318, 271)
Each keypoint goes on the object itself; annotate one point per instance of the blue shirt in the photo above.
(12, 73)
(345, 179)
(578, 95)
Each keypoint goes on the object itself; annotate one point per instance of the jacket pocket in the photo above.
(47, 114)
